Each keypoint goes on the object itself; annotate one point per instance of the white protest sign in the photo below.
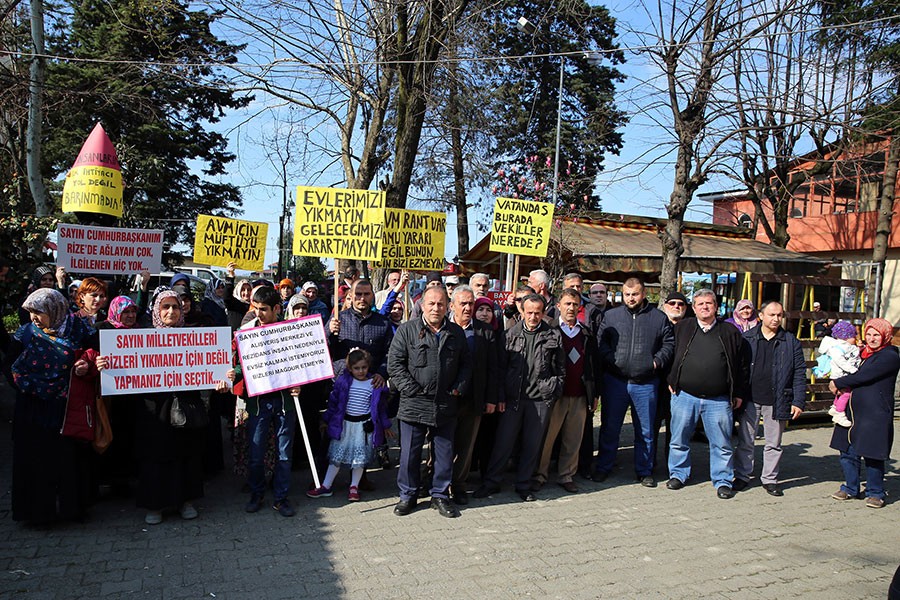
(164, 360)
(108, 250)
(282, 355)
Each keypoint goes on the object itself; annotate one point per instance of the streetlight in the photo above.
(593, 58)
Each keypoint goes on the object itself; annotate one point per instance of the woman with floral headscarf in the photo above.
(871, 409)
(170, 459)
(51, 473)
(744, 316)
(213, 303)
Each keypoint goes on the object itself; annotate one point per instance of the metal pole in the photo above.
(562, 70)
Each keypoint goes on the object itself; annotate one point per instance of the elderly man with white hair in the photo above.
(540, 282)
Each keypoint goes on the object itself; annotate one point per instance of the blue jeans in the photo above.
(617, 397)
(409, 475)
(851, 463)
(270, 410)
(718, 423)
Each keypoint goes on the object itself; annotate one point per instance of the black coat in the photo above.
(789, 366)
(486, 373)
(427, 368)
(871, 406)
(732, 345)
(548, 361)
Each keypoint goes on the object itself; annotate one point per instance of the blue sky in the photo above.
(638, 182)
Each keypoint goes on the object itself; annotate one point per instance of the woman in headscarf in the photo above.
(871, 410)
(43, 277)
(51, 473)
(236, 298)
(116, 466)
(170, 459)
(744, 316)
(213, 303)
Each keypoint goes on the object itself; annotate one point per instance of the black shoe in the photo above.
(461, 497)
(599, 476)
(444, 508)
(384, 459)
(570, 487)
(527, 496)
(485, 491)
(647, 481)
(773, 490)
(674, 484)
(404, 507)
(254, 504)
(536, 486)
(740, 485)
(284, 508)
(724, 492)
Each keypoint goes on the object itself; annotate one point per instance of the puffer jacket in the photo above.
(549, 362)
(427, 369)
(630, 342)
(789, 371)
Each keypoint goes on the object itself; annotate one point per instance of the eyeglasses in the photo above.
(675, 303)
(520, 299)
(598, 292)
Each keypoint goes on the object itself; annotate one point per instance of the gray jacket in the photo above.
(630, 342)
(430, 371)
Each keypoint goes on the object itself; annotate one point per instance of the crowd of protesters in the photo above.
(468, 384)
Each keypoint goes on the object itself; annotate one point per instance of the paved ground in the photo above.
(613, 540)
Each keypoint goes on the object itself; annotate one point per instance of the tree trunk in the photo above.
(35, 112)
(885, 215)
(671, 234)
(459, 183)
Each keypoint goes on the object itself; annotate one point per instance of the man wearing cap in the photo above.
(450, 282)
(676, 308)
(286, 289)
(316, 306)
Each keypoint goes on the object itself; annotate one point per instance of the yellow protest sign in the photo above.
(94, 183)
(339, 223)
(220, 240)
(521, 227)
(413, 239)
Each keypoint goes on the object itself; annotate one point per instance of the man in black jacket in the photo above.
(707, 381)
(777, 392)
(635, 343)
(481, 398)
(534, 381)
(430, 363)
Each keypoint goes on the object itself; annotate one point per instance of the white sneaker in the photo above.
(154, 517)
(840, 418)
(833, 412)
(188, 511)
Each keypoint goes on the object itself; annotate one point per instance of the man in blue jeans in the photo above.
(635, 344)
(274, 407)
(709, 378)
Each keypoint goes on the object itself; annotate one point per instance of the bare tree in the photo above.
(691, 45)
(366, 66)
(33, 138)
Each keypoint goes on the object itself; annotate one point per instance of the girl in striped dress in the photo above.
(356, 421)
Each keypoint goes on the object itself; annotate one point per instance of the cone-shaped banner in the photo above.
(94, 184)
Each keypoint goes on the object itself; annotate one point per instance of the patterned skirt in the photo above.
(354, 449)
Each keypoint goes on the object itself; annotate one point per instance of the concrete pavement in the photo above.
(612, 540)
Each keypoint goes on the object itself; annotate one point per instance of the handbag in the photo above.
(79, 418)
(188, 414)
(103, 434)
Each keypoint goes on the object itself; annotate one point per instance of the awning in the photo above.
(616, 248)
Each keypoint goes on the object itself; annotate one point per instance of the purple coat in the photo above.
(337, 408)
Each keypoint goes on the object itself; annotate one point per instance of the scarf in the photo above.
(157, 319)
(118, 305)
(51, 303)
(210, 293)
(479, 302)
(745, 324)
(887, 333)
(237, 290)
(38, 273)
